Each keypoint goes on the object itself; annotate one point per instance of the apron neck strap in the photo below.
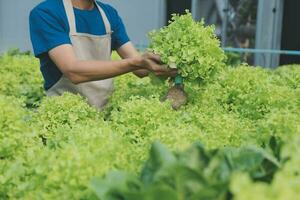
(71, 17)
(104, 18)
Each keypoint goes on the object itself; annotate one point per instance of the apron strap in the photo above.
(71, 17)
(104, 18)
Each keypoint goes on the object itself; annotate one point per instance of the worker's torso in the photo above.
(55, 31)
(87, 47)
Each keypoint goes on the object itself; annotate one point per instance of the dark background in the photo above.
(178, 7)
(291, 31)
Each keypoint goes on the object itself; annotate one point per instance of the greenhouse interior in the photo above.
(149, 100)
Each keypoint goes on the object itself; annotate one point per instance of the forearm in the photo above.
(129, 51)
(85, 71)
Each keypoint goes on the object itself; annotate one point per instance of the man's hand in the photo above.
(153, 63)
(147, 62)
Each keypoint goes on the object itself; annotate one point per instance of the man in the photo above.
(73, 40)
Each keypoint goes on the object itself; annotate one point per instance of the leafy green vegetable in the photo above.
(15, 134)
(193, 174)
(285, 185)
(190, 47)
(51, 148)
(20, 77)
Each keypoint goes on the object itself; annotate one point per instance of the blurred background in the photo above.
(259, 32)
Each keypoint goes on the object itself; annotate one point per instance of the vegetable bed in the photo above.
(237, 138)
(244, 126)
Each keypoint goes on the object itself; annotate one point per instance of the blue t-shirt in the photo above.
(49, 28)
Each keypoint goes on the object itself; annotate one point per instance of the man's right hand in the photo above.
(153, 63)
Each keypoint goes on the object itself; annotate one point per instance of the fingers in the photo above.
(172, 73)
(162, 69)
(156, 58)
(153, 63)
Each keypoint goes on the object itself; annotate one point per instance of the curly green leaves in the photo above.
(190, 47)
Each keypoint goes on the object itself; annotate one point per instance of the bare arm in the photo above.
(79, 71)
(129, 51)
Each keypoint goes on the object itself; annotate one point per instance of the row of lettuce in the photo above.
(238, 138)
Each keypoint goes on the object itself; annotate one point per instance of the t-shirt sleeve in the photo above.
(119, 35)
(46, 31)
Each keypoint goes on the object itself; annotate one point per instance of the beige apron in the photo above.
(87, 47)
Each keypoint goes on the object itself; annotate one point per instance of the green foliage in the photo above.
(17, 52)
(139, 117)
(15, 134)
(282, 124)
(288, 76)
(66, 110)
(285, 185)
(142, 121)
(16, 137)
(233, 59)
(190, 47)
(129, 85)
(20, 77)
(193, 174)
(64, 173)
(250, 92)
(73, 144)
(55, 149)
